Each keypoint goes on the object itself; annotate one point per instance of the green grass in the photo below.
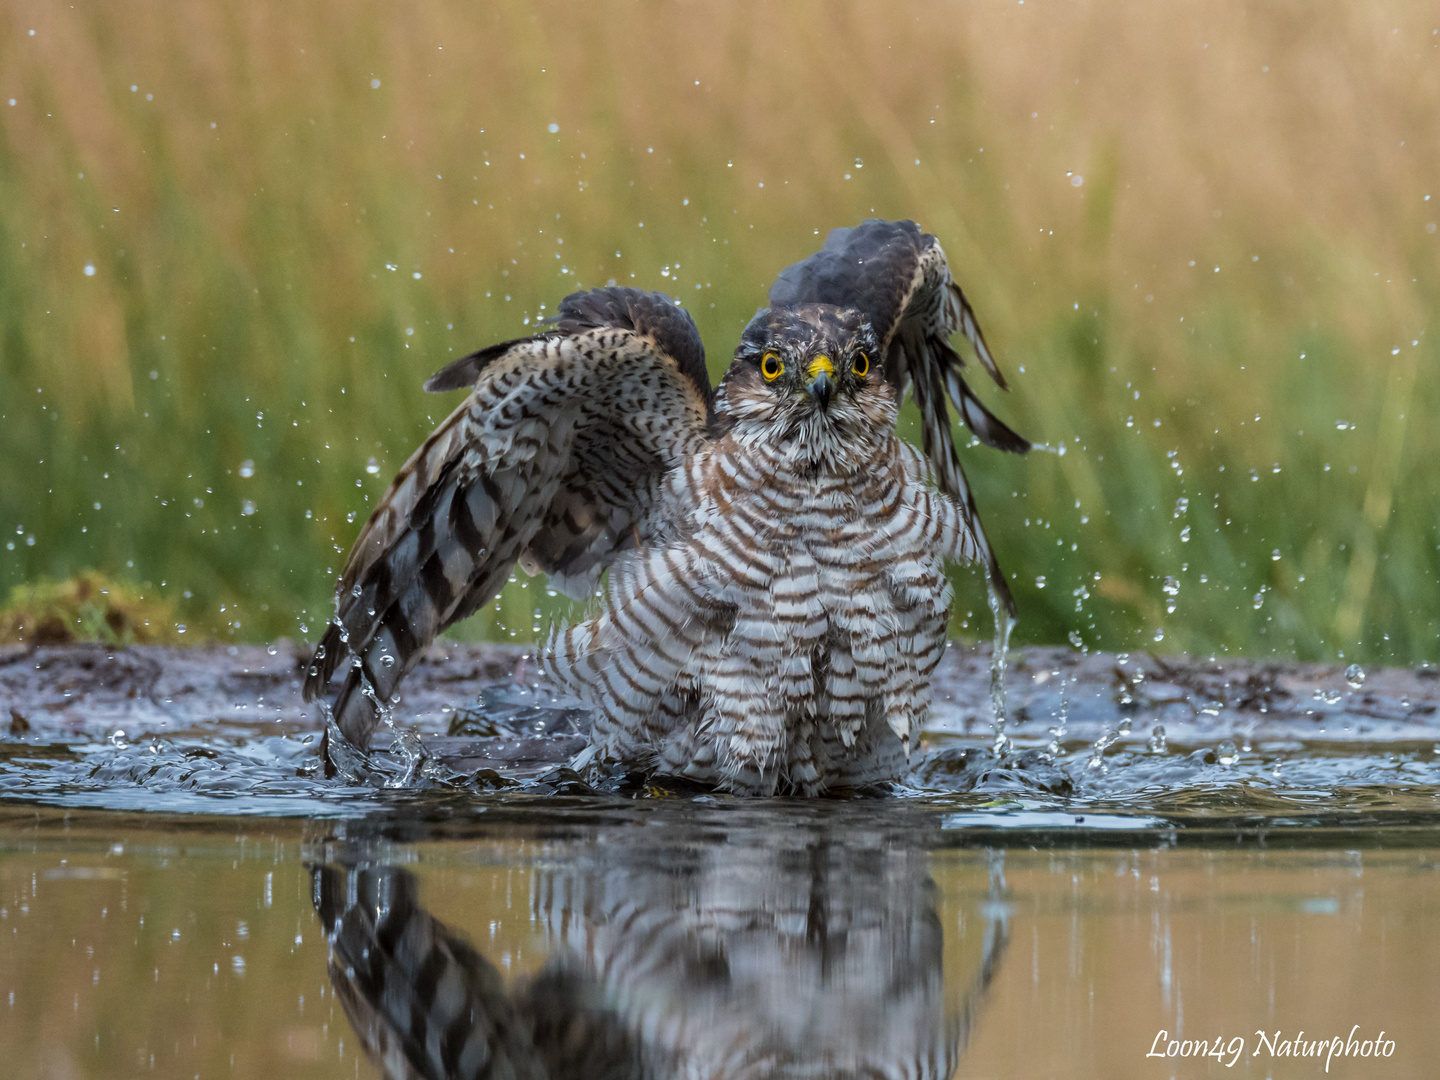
(257, 223)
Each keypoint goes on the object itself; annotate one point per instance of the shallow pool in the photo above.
(183, 893)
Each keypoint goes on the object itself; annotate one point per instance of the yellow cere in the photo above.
(771, 367)
(821, 365)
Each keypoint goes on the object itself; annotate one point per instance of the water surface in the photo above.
(820, 939)
(1171, 845)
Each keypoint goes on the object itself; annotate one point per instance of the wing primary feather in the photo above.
(963, 319)
(988, 427)
(938, 445)
(463, 373)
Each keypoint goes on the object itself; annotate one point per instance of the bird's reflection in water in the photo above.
(773, 955)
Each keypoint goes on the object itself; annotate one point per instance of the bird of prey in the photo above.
(776, 599)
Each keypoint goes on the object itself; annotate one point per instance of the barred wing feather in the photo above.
(555, 460)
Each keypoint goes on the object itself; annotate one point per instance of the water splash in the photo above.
(1054, 748)
(1108, 739)
(999, 654)
(1171, 588)
(223, 732)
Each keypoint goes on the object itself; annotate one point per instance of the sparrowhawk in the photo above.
(776, 599)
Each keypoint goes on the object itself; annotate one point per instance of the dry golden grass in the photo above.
(240, 208)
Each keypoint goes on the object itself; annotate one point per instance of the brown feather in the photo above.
(526, 467)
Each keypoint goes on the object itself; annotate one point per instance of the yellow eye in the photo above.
(771, 367)
(860, 365)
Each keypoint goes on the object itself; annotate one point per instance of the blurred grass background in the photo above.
(1201, 238)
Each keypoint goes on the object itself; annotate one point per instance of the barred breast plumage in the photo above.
(802, 616)
(777, 600)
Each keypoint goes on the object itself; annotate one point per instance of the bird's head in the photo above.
(809, 378)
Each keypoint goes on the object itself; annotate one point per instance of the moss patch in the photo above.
(87, 607)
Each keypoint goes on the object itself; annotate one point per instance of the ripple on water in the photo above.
(224, 731)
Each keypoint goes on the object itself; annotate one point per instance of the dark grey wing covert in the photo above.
(898, 277)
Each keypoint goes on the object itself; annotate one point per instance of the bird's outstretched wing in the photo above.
(898, 277)
(555, 459)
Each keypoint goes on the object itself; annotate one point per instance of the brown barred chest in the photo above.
(849, 549)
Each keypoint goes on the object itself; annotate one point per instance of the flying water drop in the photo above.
(1004, 626)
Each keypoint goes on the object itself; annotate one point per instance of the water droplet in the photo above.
(320, 653)
(1171, 588)
(1181, 505)
(372, 467)
(1275, 555)
(1077, 180)
(1156, 743)
(1355, 676)
(1185, 535)
(246, 508)
(89, 270)
(1040, 582)
(247, 469)
(1004, 627)
(1159, 633)
(1226, 752)
(859, 164)
(180, 628)
(554, 129)
(1258, 600)
(387, 660)
(1076, 640)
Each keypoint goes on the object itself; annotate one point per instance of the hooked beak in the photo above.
(821, 384)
